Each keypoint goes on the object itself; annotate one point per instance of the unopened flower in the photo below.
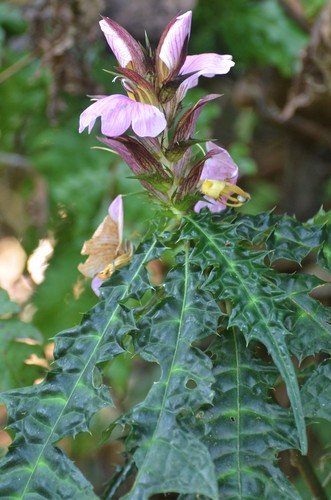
(143, 164)
(105, 249)
(218, 182)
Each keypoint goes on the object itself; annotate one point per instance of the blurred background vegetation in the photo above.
(274, 117)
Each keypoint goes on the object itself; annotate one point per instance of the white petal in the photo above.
(207, 64)
(147, 120)
(115, 112)
(219, 167)
(117, 44)
(175, 38)
(96, 283)
(116, 212)
(214, 206)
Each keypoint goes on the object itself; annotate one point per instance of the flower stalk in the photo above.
(149, 130)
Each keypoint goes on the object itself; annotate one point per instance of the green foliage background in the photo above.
(82, 181)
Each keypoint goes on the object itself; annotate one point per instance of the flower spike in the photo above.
(163, 152)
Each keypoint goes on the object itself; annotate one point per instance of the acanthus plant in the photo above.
(224, 326)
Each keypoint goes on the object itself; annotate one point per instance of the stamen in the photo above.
(127, 85)
(163, 70)
(218, 190)
(212, 188)
(144, 96)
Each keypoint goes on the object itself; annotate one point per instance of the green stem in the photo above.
(118, 480)
(305, 468)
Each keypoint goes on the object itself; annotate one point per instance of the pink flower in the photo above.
(207, 65)
(125, 48)
(95, 285)
(141, 109)
(119, 112)
(172, 48)
(219, 167)
(172, 51)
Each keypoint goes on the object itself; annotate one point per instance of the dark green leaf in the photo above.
(246, 428)
(324, 255)
(307, 320)
(72, 393)
(170, 457)
(293, 240)
(255, 228)
(38, 470)
(316, 393)
(322, 217)
(238, 277)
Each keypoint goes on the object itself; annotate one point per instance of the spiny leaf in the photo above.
(246, 427)
(324, 255)
(308, 320)
(170, 457)
(322, 217)
(71, 394)
(237, 277)
(255, 228)
(316, 393)
(55, 476)
(293, 240)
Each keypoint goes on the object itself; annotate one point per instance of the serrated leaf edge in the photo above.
(283, 361)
